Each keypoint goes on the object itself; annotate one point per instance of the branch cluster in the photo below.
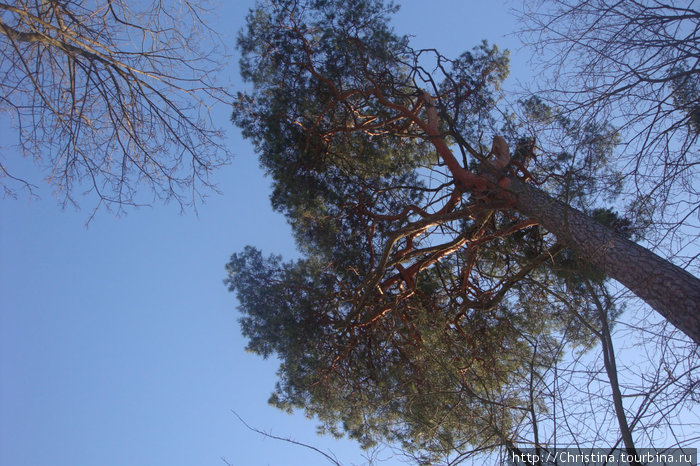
(111, 96)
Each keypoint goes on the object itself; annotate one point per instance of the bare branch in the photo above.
(114, 100)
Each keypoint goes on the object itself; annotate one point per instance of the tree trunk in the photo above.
(670, 290)
(606, 343)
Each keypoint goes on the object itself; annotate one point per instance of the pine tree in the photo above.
(417, 312)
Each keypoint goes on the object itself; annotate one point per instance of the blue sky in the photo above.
(119, 343)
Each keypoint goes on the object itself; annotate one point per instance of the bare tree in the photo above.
(638, 395)
(635, 64)
(111, 96)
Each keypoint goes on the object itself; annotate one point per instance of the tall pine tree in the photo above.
(417, 312)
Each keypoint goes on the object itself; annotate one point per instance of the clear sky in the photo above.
(119, 343)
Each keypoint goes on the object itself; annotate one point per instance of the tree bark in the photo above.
(671, 291)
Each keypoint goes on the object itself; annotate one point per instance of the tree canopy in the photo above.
(112, 98)
(448, 260)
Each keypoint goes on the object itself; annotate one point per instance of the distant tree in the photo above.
(635, 64)
(112, 96)
(421, 311)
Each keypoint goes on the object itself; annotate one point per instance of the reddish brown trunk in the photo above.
(670, 290)
(667, 288)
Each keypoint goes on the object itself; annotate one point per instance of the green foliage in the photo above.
(316, 178)
(295, 116)
(428, 379)
(420, 311)
(613, 220)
